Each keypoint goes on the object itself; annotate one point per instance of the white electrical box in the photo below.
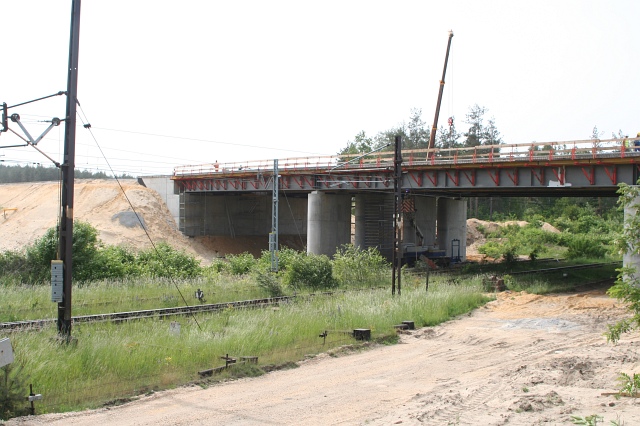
(6, 352)
(57, 281)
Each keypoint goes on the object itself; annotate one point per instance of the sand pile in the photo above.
(32, 208)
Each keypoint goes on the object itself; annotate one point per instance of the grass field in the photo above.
(111, 361)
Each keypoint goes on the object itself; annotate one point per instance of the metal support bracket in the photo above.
(30, 141)
(55, 121)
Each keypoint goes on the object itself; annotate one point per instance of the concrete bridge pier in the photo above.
(328, 222)
(452, 225)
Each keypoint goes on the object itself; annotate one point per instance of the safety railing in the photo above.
(484, 154)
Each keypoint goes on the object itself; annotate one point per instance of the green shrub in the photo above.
(353, 266)
(115, 262)
(217, 267)
(310, 271)
(491, 249)
(285, 257)
(14, 266)
(586, 246)
(510, 253)
(500, 250)
(270, 282)
(165, 261)
(240, 264)
(84, 248)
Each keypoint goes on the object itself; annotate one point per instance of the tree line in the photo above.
(39, 173)
(415, 133)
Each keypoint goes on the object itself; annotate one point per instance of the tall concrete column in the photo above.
(630, 260)
(328, 222)
(452, 224)
(424, 223)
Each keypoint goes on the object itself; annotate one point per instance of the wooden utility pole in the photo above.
(68, 166)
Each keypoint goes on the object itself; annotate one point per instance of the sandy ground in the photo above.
(520, 360)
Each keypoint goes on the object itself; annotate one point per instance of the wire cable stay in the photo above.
(39, 99)
(87, 126)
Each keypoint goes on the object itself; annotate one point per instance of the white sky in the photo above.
(250, 80)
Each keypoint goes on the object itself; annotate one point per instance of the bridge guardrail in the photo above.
(535, 151)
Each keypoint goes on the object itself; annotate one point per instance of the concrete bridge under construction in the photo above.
(318, 196)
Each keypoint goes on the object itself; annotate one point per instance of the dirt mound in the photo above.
(32, 208)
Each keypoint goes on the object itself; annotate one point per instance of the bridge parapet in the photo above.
(483, 154)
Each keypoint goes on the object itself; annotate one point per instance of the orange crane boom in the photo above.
(434, 129)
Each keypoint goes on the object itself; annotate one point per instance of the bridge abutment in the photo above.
(245, 215)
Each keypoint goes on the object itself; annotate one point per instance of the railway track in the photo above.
(565, 268)
(531, 271)
(151, 313)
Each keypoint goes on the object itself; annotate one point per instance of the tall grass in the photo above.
(110, 361)
(25, 302)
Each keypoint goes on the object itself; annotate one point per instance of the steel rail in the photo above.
(455, 272)
(164, 312)
(151, 313)
(565, 268)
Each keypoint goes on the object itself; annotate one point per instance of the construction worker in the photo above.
(636, 143)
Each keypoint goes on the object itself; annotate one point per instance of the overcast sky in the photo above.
(166, 83)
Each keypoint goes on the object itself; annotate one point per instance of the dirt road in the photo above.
(521, 360)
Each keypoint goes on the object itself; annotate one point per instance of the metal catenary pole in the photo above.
(396, 256)
(273, 237)
(68, 165)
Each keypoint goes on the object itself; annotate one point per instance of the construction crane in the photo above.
(434, 129)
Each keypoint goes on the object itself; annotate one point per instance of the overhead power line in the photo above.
(208, 141)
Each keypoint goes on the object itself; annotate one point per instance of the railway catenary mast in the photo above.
(68, 166)
(434, 129)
